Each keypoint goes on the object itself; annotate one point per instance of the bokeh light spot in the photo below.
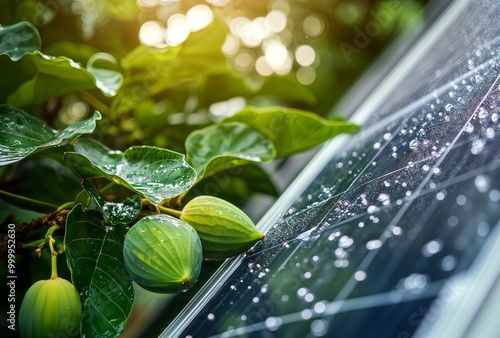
(199, 17)
(177, 30)
(313, 25)
(151, 33)
(306, 75)
(305, 55)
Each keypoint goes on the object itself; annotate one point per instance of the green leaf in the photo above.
(22, 134)
(56, 76)
(291, 130)
(94, 256)
(26, 202)
(146, 56)
(226, 145)
(286, 87)
(122, 9)
(19, 39)
(78, 52)
(115, 213)
(152, 172)
(222, 87)
(207, 40)
(153, 70)
(47, 76)
(45, 179)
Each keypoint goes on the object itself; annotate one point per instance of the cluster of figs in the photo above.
(162, 254)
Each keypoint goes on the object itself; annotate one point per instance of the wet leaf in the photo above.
(48, 76)
(19, 39)
(152, 172)
(94, 256)
(22, 134)
(44, 179)
(285, 87)
(122, 9)
(292, 130)
(153, 70)
(115, 213)
(226, 145)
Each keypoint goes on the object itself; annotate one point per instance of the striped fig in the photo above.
(224, 229)
(163, 254)
(50, 308)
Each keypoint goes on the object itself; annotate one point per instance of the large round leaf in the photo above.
(152, 172)
(226, 145)
(22, 134)
(292, 130)
(94, 255)
(48, 76)
(115, 212)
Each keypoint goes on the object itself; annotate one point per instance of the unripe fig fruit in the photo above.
(224, 229)
(50, 308)
(163, 254)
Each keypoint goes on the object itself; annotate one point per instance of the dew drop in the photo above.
(372, 209)
(469, 128)
(477, 147)
(345, 242)
(482, 183)
(482, 113)
(414, 144)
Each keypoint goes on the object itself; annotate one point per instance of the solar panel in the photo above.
(377, 234)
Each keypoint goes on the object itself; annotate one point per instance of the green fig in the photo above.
(163, 254)
(50, 308)
(224, 229)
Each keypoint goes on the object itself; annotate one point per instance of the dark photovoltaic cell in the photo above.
(395, 216)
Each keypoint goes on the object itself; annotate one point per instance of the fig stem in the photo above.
(98, 104)
(27, 199)
(169, 211)
(53, 259)
(67, 205)
(107, 187)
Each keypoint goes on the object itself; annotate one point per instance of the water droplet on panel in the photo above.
(477, 147)
(494, 195)
(469, 128)
(414, 144)
(345, 242)
(432, 248)
(414, 282)
(482, 114)
(319, 327)
(360, 276)
(374, 244)
(273, 323)
(482, 183)
(448, 263)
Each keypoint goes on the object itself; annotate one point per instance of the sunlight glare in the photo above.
(177, 30)
(151, 33)
(199, 17)
(276, 20)
(262, 67)
(305, 55)
(218, 3)
(276, 54)
(306, 75)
